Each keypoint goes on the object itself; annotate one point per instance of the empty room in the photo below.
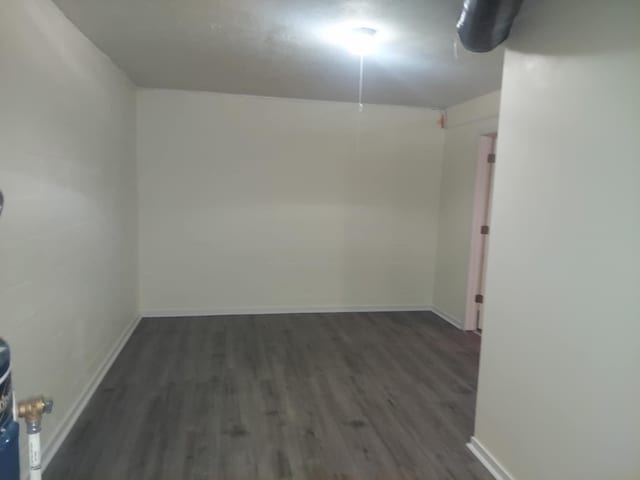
(319, 240)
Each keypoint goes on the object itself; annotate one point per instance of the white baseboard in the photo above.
(64, 427)
(488, 460)
(459, 324)
(186, 312)
(159, 313)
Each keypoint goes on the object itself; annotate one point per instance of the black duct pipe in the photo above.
(485, 24)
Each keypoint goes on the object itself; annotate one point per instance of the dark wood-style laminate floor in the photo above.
(344, 396)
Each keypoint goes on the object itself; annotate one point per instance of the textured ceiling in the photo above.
(279, 48)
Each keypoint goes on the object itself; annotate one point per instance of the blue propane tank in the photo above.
(9, 429)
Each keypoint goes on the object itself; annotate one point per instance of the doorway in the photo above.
(480, 232)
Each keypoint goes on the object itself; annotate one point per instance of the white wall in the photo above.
(465, 124)
(67, 233)
(260, 204)
(559, 379)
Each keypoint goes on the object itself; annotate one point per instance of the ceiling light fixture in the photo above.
(357, 39)
(354, 36)
(361, 41)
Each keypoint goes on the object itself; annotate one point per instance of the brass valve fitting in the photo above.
(32, 411)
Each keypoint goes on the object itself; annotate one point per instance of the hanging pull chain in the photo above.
(360, 105)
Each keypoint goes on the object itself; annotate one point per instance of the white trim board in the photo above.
(459, 324)
(488, 460)
(282, 310)
(70, 419)
(308, 309)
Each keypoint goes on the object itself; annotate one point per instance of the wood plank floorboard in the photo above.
(338, 396)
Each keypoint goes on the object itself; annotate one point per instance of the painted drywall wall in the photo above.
(67, 232)
(260, 204)
(559, 383)
(465, 124)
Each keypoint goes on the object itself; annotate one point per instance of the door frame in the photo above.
(482, 188)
